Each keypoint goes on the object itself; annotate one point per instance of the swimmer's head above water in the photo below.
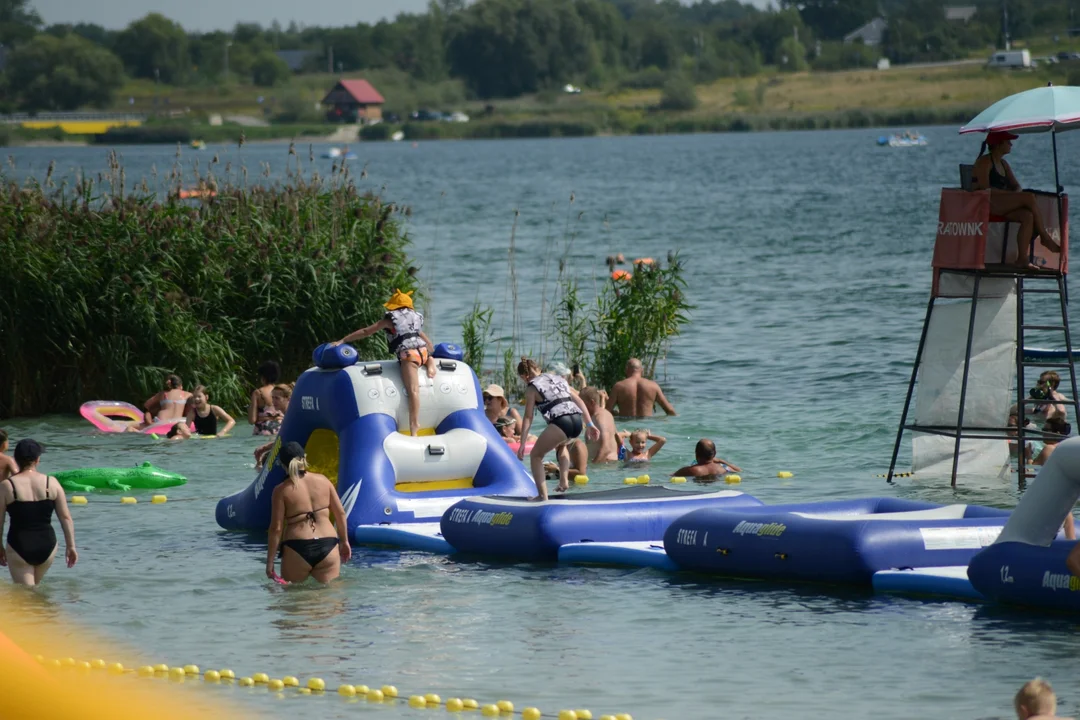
(705, 451)
(27, 452)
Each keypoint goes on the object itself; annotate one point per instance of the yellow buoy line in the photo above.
(128, 500)
(318, 686)
(903, 474)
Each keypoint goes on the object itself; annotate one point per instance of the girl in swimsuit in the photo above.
(262, 414)
(280, 397)
(1007, 198)
(300, 521)
(638, 453)
(408, 342)
(30, 498)
(7, 464)
(169, 404)
(203, 416)
(563, 409)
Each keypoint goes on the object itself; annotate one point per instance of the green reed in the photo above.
(475, 336)
(105, 289)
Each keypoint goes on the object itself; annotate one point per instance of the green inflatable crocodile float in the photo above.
(142, 477)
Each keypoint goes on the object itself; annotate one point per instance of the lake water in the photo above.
(808, 259)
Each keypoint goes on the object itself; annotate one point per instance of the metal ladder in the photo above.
(990, 433)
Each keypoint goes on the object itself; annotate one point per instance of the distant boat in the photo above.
(336, 153)
(198, 145)
(909, 138)
(398, 136)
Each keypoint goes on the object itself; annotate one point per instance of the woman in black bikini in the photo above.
(564, 411)
(1007, 198)
(300, 520)
(30, 498)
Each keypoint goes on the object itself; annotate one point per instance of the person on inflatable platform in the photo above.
(708, 467)
(7, 463)
(280, 397)
(169, 404)
(1036, 701)
(263, 416)
(408, 342)
(563, 410)
(1007, 198)
(203, 416)
(300, 521)
(31, 497)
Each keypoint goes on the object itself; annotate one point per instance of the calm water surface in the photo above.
(808, 260)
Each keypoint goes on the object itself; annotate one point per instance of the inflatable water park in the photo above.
(458, 487)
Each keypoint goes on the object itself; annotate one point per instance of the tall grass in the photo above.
(106, 289)
(475, 335)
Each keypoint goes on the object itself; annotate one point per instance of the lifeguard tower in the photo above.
(971, 361)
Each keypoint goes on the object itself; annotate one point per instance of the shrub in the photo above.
(678, 94)
(105, 291)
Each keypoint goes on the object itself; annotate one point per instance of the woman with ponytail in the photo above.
(564, 410)
(1007, 199)
(300, 522)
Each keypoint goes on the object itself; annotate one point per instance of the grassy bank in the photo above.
(107, 288)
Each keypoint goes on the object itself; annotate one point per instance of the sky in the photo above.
(223, 14)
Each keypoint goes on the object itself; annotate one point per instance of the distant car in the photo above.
(426, 116)
(1048, 60)
(1010, 59)
(458, 117)
(1068, 56)
(572, 89)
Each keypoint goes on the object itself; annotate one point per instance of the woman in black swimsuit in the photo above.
(30, 498)
(1006, 197)
(204, 416)
(565, 413)
(300, 521)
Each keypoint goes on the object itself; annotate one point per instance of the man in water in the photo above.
(707, 465)
(1036, 701)
(636, 395)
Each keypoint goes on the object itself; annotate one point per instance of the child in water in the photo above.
(203, 416)
(7, 463)
(638, 440)
(408, 342)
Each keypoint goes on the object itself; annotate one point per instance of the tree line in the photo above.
(504, 48)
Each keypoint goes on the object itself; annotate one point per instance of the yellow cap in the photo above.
(399, 300)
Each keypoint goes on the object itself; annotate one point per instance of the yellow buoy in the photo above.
(82, 666)
(290, 681)
(275, 684)
(53, 664)
(623, 716)
(581, 480)
(505, 706)
(531, 713)
(389, 691)
(454, 705)
(567, 715)
(630, 481)
(584, 714)
(78, 500)
(432, 699)
(97, 664)
(227, 674)
(144, 671)
(362, 689)
(490, 710)
(316, 684)
(417, 701)
(678, 479)
(161, 668)
(304, 691)
(346, 690)
(643, 480)
(607, 717)
(115, 669)
(261, 678)
(158, 499)
(191, 669)
(177, 673)
(469, 704)
(212, 676)
(67, 662)
(784, 474)
(245, 682)
(374, 695)
(128, 501)
(731, 479)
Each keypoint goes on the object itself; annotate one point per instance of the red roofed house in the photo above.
(354, 101)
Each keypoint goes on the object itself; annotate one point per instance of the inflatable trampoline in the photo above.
(349, 418)
(833, 542)
(526, 530)
(1026, 565)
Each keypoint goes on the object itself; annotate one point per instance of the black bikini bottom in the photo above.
(33, 545)
(314, 551)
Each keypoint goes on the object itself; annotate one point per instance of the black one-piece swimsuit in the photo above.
(31, 533)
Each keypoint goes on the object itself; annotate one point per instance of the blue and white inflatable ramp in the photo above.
(527, 530)
(353, 421)
(1026, 566)
(832, 542)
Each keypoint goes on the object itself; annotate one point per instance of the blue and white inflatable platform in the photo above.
(832, 542)
(530, 530)
(1026, 565)
(352, 418)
